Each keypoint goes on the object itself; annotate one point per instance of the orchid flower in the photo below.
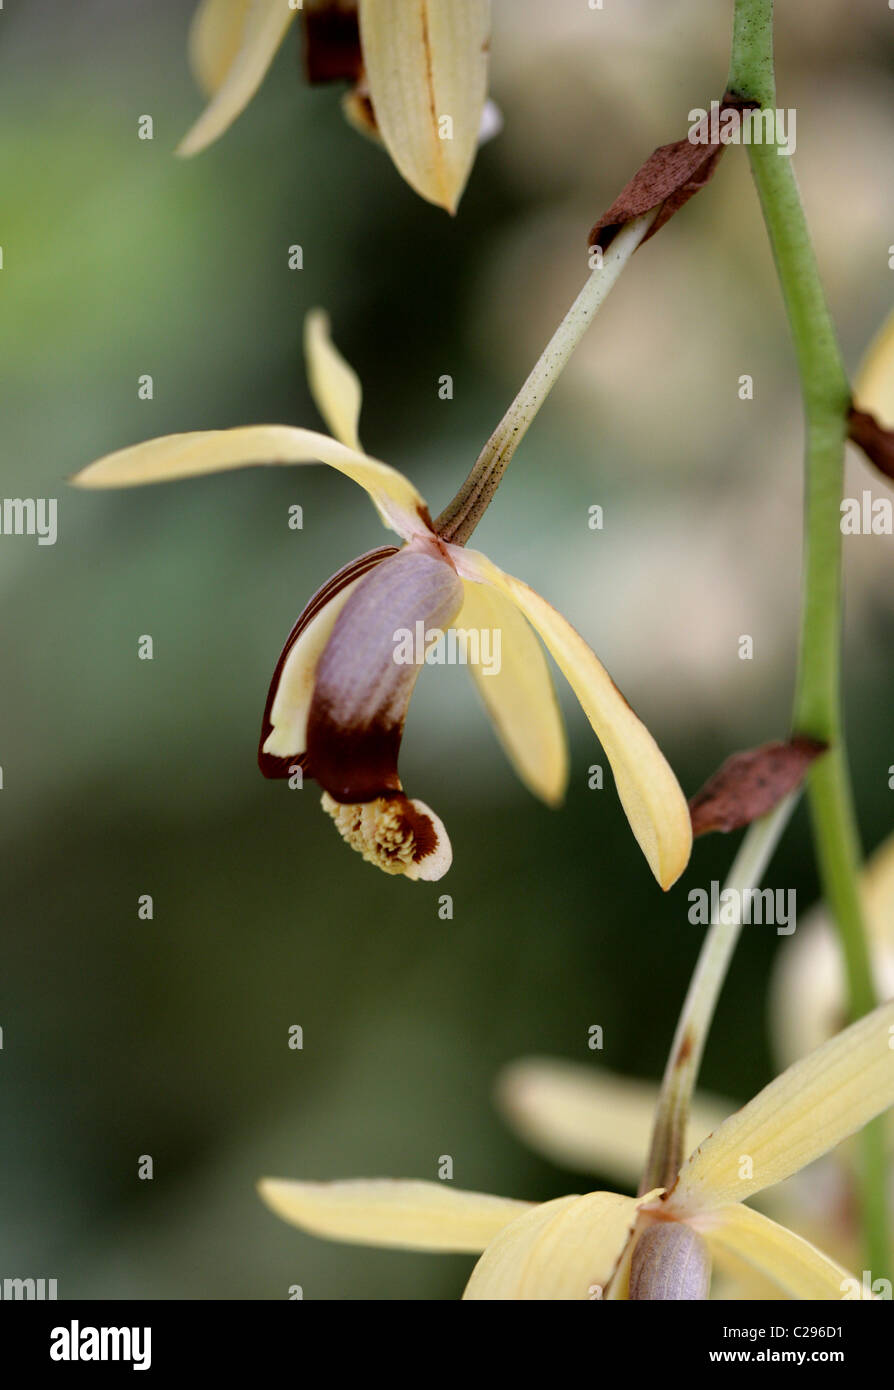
(419, 74)
(339, 695)
(660, 1244)
(594, 1121)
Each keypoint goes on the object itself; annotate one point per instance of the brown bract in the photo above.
(876, 442)
(750, 784)
(669, 178)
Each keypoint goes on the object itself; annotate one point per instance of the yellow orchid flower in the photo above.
(420, 75)
(595, 1121)
(340, 694)
(658, 1245)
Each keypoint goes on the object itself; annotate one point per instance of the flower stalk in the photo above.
(817, 710)
(668, 1146)
(458, 520)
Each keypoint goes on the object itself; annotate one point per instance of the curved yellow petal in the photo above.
(588, 1118)
(334, 384)
(215, 37)
(774, 1252)
(518, 693)
(650, 793)
(261, 31)
(874, 384)
(565, 1249)
(216, 451)
(426, 66)
(805, 1112)
(392, 1212)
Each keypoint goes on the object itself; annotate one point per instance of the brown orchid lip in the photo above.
(279, 767)
(361, 693)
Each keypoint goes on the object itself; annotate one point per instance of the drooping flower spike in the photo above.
(661, 1244)
(419, 75)
(339, 695)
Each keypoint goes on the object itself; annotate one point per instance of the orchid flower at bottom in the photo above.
(659, 1245)
(340, 692)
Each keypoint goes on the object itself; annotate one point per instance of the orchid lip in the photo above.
(278, 766)
(361, 695)
(396, 834)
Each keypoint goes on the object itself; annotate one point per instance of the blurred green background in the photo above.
(124, 777)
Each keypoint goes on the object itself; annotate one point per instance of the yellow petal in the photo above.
(805, 1112)
(589, 1119)
(215, 36)
(650, 794)
(874, 384)
(389, 1212)
(426, 65)
(565, 1249)
(518, 692)
(261, 31)
(774, 1252)
(334, 384)
(217, 451)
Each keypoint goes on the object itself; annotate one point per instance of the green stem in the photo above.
(459, 519)
(817, 709)
(668, 1147)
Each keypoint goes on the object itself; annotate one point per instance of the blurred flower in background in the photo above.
(606, 1245)
(418, 74)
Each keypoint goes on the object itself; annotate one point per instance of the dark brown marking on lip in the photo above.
(276, 767)
(354, 762)
(425, 837)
